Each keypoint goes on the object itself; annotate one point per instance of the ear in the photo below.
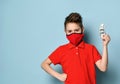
(83, 29)
(65, 31)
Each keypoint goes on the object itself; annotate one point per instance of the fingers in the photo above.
(62, 77)
(106, 37)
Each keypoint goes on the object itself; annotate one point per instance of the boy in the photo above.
(77, 58)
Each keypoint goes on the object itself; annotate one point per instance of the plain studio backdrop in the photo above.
(31, 29)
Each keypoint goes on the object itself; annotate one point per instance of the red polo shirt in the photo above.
(78, 62)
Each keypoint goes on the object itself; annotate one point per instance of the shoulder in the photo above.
(61, 48)
(64, 46)
(89, 45)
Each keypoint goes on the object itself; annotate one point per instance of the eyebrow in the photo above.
(74, 29)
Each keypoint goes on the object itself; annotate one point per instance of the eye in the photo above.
(69, 31)
(77, 30)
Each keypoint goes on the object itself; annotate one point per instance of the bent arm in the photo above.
(102, 64)
(46, 66)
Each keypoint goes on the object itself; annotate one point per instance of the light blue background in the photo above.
(31, 29)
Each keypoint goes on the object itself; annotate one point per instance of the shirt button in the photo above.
(76, 47)
(77, 53)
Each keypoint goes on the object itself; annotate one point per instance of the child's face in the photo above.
(73, 28)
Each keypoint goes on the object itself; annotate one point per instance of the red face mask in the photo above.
(75, 38)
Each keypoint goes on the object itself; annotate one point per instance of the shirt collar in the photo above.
(81, 45)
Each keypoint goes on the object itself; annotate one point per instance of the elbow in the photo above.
(42, 65)
(45, 64)
(103, 69)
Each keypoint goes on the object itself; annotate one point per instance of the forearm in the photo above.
(46, 66)
(104, 60)
(49, 70)
(102, 63)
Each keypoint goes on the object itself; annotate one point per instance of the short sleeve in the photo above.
(96, 54)
(55, 56)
